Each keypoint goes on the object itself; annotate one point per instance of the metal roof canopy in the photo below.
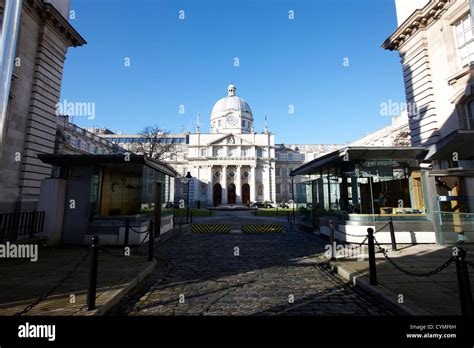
(82, 160)
(349, 155)
(460, 141)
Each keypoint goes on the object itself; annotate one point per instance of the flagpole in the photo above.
(8, 40)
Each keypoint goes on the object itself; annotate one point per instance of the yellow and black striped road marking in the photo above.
(262, 228)
(210, 228)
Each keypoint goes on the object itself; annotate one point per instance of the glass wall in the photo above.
(374, 187)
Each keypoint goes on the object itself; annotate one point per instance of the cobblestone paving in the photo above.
(274, 274)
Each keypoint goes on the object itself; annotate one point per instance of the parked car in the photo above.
(262, 205)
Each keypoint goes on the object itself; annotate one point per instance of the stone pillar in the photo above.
(224, 184)
(253, 183)
(266, 183)
(209, 187)
(238, 185)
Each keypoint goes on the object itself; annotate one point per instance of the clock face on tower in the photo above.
(232, 120)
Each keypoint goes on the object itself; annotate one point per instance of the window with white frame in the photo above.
(203, 152)
(290, 156)
(464, 40)
(277, 171)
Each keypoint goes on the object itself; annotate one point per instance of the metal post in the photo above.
(293, 197)
(465, 295)
(91, 291)
(332, 240)
(187, 205)
(157, 210)
(127, 233)
(372, 265)
(392, 234)
(151, 241)
(33, 223)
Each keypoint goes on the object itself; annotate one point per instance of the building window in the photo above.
(259, 153)
(465, 40)
(277, 156)
(203, 152)
(290, 157)
(278, 189)
(243, 123)
(278, 171)
(302, 157)
(290, 188)
(219, 123)
(470, 115)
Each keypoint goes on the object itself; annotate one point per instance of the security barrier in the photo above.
(262, 228)
(210, 228)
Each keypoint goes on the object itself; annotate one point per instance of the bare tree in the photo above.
(154, 143)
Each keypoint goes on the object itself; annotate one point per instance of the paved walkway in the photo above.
(273, 274)
(433, 295)
(24, 281)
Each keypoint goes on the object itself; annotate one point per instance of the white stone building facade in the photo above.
(232, 164)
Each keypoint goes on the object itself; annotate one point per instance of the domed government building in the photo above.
(234, 163)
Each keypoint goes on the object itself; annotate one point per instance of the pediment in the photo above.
(230, 139)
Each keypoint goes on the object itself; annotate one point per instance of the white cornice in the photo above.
(419, 20)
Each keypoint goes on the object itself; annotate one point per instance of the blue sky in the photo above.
(190, 62)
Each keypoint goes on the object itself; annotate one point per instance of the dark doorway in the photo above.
(245, 193)
(217, 194)
(231, 196)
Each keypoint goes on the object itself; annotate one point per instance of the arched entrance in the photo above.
(217, 194)
(231, 195)
(245, 193)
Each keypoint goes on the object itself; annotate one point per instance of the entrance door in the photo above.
(245, 193)
(231, 196)
(217, 194)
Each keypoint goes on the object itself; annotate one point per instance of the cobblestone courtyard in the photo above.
(273, 274)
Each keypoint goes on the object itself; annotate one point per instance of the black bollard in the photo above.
(465, 295)
(332, 240)
(392, 234)
(127, 233)
(91, 291)
(151, 241)
(372, 264)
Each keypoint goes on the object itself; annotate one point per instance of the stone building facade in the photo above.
(232, 164)
(435, 41)
(44, 38)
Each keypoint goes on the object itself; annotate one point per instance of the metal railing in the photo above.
(458, 257)
(13, 225)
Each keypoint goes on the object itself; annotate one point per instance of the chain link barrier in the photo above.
(108, 252)
(359, 235)
(420, 275)
(57, 285)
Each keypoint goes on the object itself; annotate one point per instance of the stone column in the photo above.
(253, 183)
(238, 185)
(209, 187)
(224, 184)
(266, 183)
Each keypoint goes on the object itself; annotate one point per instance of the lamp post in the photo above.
(292, 175)
(187, 181)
